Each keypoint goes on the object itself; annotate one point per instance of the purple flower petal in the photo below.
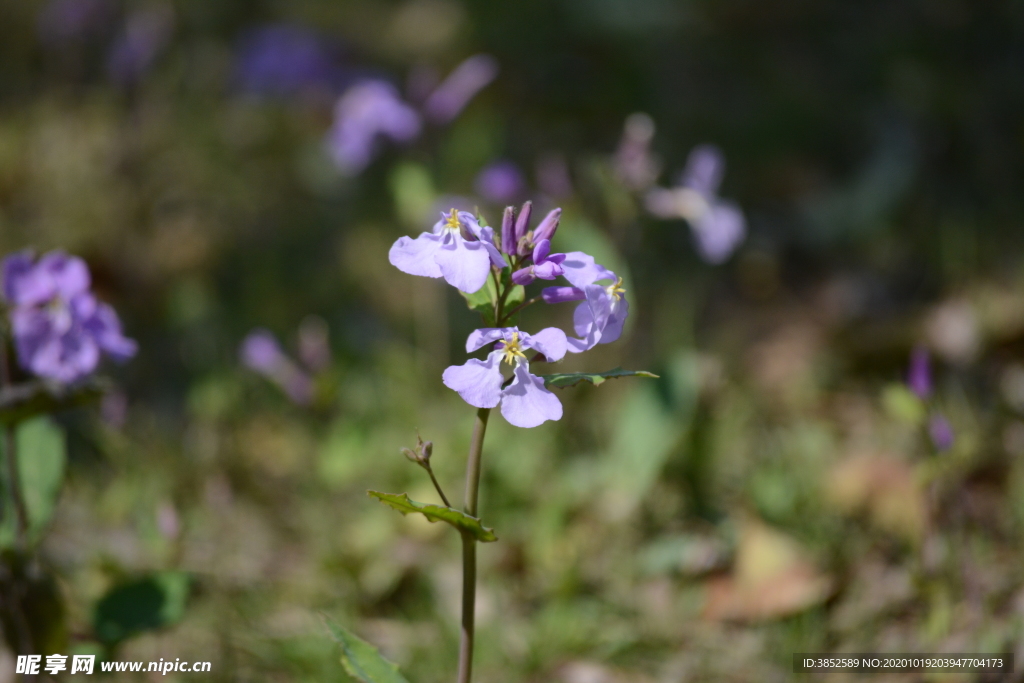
(719, 231)
(704, 170)
(464, 265)
(581, 270)
(416, 256)
(23, 283)
(261, 352)
(478, 382)
(919, 377)
(527, 402)
(455, 92)
(550, 341)
(483, 336)
(105, 328)
(558, 295)
(365, 111)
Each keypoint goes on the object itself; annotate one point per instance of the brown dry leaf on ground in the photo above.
(883, 487)
(772, 577)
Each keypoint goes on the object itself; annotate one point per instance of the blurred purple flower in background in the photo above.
(462, 84)
(635, 166)
(364, 112)
(526, 402)
(59, 327)
(919, 375)
(261, 353)
(941, 432)
(60, 21)
(501, 182)
(145, 34)
(283, 59)
(718, 226)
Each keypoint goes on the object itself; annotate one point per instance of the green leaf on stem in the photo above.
(571, 379)
(41, 460)
(483, 300)
(437, 513)
(361, 660)
(144, 604)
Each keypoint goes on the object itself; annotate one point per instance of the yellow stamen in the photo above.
(617, 290)
(452, 222)
(513, 350)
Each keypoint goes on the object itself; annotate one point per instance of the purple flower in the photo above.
(941, 432)
(458, 249)
(455, 92)
(635, 166)
(718, 225)
(145, 34)
(364, 112)
(501, 182)
(261, 353)
(283, 59)
(545, 266)
(919, 376)
(526, 402)
(59, 327)
(599, 319)
(65, 20)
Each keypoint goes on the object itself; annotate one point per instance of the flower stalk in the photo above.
(11, 462)
(476, 448)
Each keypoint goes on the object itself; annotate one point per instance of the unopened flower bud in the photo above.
(547, 227)
(414, 457)
(427, 449)
(522, 223)
(508, 235)
(523, 276)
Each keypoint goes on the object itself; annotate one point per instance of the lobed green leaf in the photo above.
(571, 379)
(437, 513)
(361, 660)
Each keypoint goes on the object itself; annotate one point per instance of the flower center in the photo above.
(453, 222)
(616, 290)
(513, 351)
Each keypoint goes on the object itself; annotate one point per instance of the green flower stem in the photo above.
(476, 448)
(10, 450)
(528, 302)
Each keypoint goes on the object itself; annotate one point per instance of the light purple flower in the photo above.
(718, 225)
(261, 353)
(635, 166)
(545, 266)
(919, 376)
(501, 182)
(59, 328)
(283, 59)
(941, 432)
(462, 84)
(526, 402)
(366, 111)
(601, 315)
(145, 34)
(458, 249)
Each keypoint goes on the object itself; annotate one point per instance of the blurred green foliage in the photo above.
(774, 491)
